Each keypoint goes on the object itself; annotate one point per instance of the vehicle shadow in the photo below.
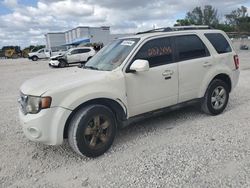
(68, 66)
(156, 123)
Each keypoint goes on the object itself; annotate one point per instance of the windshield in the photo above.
(112, 55)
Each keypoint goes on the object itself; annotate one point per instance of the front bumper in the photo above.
(47, 126)
(54, 62)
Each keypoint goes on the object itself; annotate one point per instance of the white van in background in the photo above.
(44, 54)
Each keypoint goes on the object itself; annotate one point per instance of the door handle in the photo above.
(207, 64)
(167, 73)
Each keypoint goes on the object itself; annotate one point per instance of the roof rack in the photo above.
(176, 28)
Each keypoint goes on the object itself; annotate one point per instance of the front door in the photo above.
(73, 56)
(158, 87)
(47, 53)
(41, 54)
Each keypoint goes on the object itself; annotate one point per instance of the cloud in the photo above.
(27, 24)
(10, 3)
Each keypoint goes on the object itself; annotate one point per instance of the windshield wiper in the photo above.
(90, 67)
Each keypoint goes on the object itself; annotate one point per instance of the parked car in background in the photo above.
(244, 47)
(72, 56)
(44, 54)
(40, 54)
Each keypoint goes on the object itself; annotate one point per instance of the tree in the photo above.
(195, 17)
(239, 19)
(225, 27)
(35, 48)
(206, 16)
(182, 22)
(244, 24)
(232, 18)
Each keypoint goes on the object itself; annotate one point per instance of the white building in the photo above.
(55, 40)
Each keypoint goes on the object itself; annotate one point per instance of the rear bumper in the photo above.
(235, 78)
(46, 127)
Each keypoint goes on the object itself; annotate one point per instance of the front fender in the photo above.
(73, 104)
(74, 97)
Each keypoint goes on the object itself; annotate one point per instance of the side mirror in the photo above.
(140, 65)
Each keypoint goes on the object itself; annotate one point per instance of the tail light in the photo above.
(236, 61)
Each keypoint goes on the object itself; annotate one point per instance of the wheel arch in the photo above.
(221, 76)
(34, 56)
(226, 78)
(112, 104)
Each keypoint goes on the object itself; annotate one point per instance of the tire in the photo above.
(34, 58)
(216, 97)
(92, 130)
(62, 64)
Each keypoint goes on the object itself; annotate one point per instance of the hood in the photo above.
(56, 56)
(32, 53)
(57, 80)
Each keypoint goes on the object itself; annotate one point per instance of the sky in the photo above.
(24, 22)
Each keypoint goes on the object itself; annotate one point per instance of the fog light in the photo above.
(34, 132)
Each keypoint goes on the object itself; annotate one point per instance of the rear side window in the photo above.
(190, 47)
(219, 42)
(156, 51)
(83, 50)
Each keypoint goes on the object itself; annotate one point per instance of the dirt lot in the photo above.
(184, 148)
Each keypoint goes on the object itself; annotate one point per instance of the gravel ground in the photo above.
(183, 148)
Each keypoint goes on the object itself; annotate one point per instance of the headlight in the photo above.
(33, 104)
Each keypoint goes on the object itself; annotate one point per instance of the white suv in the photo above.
(40, 54)
(133, 76)
(73, 55)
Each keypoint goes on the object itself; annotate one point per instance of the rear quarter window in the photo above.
(219, 42)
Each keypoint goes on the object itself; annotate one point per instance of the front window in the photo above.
(112, 55)
(41, 51)
(157, 52)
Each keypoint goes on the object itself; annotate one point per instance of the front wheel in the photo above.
(62, 63)
(216, 97)
(34, 58)
(92, 130)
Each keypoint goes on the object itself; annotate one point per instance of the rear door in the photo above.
(84, 54)
(194, 61)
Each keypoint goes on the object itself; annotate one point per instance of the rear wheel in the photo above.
(92, 130)
(216, 97)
